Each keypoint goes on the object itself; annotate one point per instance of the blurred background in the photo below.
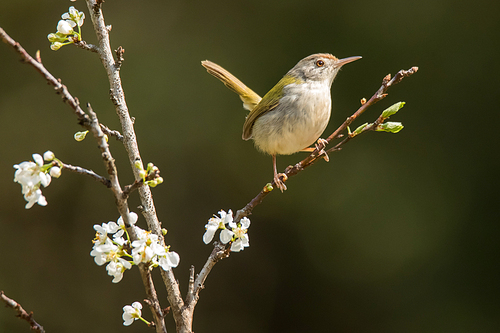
(397, 233)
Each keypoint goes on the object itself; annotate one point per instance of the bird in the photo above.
(294, 113)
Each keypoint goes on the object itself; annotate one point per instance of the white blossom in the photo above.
(226, 235)
(236, 233)
(133, 219)
(31, 176)
(116, 268)
(215, 223)
(73, 15)
(240, 234)
(131, 313)
(170, 260)
(33, 197)
(211, 227)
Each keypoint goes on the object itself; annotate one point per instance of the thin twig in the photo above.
(58, 86)
(218, 253)
(127, 189)
(83, 45)
(381, 93)
(87, 172)
(21, 313)
(110, 132)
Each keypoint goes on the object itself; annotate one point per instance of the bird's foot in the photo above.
(279, 182)
(320, 145)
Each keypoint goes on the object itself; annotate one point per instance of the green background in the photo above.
(398, 233)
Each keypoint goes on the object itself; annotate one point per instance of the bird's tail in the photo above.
(248, 96)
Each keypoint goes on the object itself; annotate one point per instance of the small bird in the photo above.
(294, 113)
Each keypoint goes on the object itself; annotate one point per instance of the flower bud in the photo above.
(55, 172)
(80, 136)
(56, 46)
(52, 37)
(267, 188)
(64, 27)
(48, 156)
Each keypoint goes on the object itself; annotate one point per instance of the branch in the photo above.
(87, 172)
(130, 143)
(21, 313)
(91, 123)
(83, 44)
(60, 88)
(219, 252)
(152, 300)
(381, 93)
(196, 285)
(56, 83)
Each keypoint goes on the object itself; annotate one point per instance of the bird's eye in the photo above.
(320, 63)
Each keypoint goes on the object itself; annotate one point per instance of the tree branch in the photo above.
(60, 88)
(56, 83)
(91, 123)
(21, 313)
(87, 172)
(83, 45)
(130, 142)
(381, 93)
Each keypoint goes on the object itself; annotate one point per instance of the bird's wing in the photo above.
(268, 103)
(263, 107)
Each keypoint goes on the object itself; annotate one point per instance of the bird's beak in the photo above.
(342, 62)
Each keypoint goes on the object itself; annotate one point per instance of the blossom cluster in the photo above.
(110, 247)
(32, 175)
(65, 34)
(236, 233)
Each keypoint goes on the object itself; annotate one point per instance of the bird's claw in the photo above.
(279, 182)
(320, 145)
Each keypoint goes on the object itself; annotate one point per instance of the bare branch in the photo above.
(58, 86)
(153, 302)
(83, 45)
(110, 132)
(127, 189)
(21, 313)
(87, 172)
(218, 253)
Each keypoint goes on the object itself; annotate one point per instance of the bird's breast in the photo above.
(297, 122)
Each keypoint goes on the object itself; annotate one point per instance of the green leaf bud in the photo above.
(391, 127)
(359, 129)
(392, 109)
